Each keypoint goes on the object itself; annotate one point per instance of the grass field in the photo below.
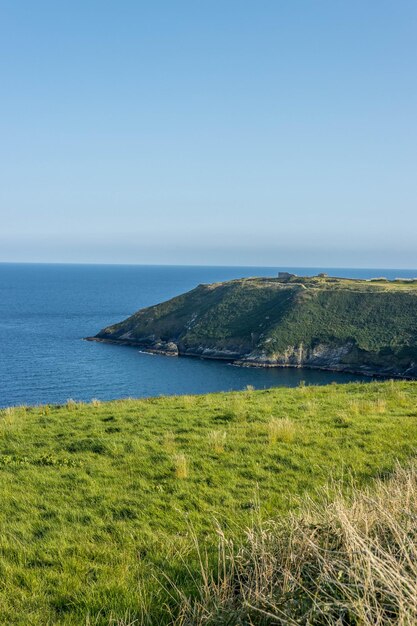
(101, 503)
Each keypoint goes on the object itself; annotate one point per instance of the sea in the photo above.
(47, 309)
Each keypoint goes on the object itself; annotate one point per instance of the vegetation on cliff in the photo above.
(364, 326)
(103, 504)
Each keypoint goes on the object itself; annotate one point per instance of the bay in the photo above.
(46, 310)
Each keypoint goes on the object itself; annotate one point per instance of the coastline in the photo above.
(239, 361)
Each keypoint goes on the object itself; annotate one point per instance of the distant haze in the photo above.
(225, 133)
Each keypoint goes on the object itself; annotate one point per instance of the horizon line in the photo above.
(278, 266)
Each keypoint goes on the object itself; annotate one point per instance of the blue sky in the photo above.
(280, 132)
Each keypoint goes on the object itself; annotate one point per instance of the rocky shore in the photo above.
(324, 359)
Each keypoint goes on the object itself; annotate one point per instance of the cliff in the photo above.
(330, 323)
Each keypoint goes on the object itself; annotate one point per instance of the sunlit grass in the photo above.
(98, 500)
(281, 429)
(180, 466)
(217, 440)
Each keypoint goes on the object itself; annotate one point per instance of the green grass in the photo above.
(99, 502)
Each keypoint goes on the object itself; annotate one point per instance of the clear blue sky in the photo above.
(273, 132)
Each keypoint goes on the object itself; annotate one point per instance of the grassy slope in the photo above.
(375, 320)
(92, 498)
(350, 560)
(271, 316)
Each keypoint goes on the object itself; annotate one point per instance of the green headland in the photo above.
(322, 322)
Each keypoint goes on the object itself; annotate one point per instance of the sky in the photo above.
(218, 132)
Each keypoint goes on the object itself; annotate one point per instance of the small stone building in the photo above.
(286, 275)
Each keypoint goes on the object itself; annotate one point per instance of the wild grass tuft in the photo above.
(236, 409)
(354, 407)
(168, 441)
(342, 421)
(217, 440)
(180, 466)
(9, 412)
(380, 405)
(71, 404)
(281, 429)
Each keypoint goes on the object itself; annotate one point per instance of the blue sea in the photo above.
(46, 310)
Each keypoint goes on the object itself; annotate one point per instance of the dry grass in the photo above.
(366, 407)
(9, 418)
(281, 429)
(302, 387)
(342, 562)
(168, 441)
(186, 401)
(354, 407)
(8, 413)
(71, 404)
(236, 409)
(180, 466)
(380, 406)
(217, 440)
(398, 397)
(309, 407)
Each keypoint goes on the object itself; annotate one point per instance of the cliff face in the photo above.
(322, 322)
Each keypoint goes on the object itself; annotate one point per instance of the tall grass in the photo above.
(180, 466)
(217, 440)
(8, 414)
(341, 562)
(282, 429)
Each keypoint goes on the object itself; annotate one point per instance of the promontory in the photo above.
(363, 326)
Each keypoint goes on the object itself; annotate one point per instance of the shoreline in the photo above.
(239, 362)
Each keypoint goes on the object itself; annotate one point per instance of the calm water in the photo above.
(45, 310)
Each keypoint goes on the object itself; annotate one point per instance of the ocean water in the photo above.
(46, 310)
